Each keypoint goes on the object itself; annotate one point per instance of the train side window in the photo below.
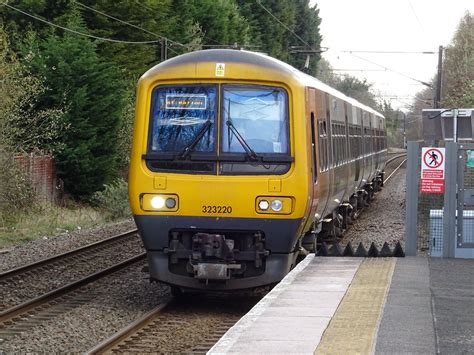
(313, 148)
(323, 146)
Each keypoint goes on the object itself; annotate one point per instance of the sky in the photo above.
(389, 25)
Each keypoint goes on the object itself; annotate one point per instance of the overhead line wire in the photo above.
(392, 70)
(416, 16)
(389, 52)
(78, 32)
(128, 23)
(281, 23)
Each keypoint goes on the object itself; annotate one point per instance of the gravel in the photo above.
(31, 285)
(384, 220)
(117, 301)
(49, 246)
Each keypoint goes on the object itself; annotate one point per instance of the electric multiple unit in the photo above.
(238, 161)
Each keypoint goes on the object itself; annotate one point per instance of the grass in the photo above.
(46, 221)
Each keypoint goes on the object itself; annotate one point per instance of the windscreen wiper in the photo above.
(248, 150)
(189, 148)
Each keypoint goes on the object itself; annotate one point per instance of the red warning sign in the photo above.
(432, 170)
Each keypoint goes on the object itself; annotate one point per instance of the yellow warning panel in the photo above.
(353, 328)
(220, 69)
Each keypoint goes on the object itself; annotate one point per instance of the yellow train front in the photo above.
(223, 179)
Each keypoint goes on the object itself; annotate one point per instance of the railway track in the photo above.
(157, 330)
(23, 283)
(26, 311)
(66, 257)
(395, 161)
(146, 333)
(20, 318)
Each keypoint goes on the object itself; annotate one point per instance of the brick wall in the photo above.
(39, 169)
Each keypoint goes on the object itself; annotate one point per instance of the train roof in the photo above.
(257, 59)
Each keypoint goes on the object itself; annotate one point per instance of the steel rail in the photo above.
(394, 171)
(129, 330)
(22, 269)
(28, 306)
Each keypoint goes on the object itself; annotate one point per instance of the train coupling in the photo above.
(213, 271)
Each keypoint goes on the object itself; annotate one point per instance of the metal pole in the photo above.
(411, 217)
(404, 130)
(164, 49)
(455, 125)
(438, 79)
(450, 199)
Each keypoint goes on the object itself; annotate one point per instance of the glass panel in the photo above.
(179, 115)
(259, 114)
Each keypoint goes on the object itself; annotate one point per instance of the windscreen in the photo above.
(259, 115)
(183, 115)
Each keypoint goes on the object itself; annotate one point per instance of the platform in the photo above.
(353, 305)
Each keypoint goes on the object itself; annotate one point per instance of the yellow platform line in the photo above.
(353, 328)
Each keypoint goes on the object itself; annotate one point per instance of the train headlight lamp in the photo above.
(263, 205)
(159, 202)
(170, 202)
(274, 205)
(277, 205)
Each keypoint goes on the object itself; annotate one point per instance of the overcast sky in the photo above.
(389, 25)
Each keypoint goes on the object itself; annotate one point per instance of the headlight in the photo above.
(274, 205)
(170, 202)
(277, 205)
(263, 205)
(157, 202)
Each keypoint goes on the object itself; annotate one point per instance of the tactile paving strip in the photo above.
(354, 326)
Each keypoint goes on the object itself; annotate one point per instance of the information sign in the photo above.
(432, 170)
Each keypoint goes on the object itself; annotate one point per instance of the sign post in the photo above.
(432, 170)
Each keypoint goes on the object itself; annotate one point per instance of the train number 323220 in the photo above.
(216, 209)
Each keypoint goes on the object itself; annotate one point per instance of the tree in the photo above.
(394, 124)
(154, 20)
(23, 125)
(275, 34)
(458, 66)
(91, 91)
(220, 21)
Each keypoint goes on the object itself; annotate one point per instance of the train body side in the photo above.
(215, 236)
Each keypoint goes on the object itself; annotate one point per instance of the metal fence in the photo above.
(441, 224)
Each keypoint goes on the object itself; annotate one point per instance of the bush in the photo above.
(113, 199)
(16, 193)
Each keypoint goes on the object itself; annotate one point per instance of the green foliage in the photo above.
(113, 199)
(273, 38)
(347, 84)
(23, 125)
(91, 91)
(357, 89)
(154, 16)
(219, 20)
(394, 123)
(16, 193)
(458, 73)
(125, 130)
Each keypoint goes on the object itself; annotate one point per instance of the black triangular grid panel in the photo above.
(373, 252)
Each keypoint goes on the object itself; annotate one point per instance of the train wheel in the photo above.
(309, 242)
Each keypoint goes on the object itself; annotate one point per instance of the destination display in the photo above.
(186, 102)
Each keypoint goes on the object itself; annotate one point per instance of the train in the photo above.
(240, 163)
